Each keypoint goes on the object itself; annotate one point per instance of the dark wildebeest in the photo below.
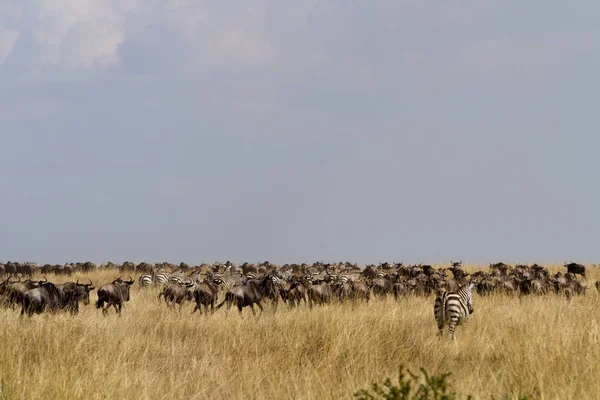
(246, 295)
(5, 287)
(575, 268)
(319, 294)
(43, 297)
(71, 293)
(113, 294)
(176, 293)
(26, 269)
(10, 268)
(297, 291)
(16, 291)
(205, 294)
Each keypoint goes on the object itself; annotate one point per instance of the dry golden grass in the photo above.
(544, 346)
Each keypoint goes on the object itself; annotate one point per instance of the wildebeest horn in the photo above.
(77, 283)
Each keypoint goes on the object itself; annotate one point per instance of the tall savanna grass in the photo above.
(544, 346)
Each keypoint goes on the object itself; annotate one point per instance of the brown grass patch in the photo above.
(544, 346)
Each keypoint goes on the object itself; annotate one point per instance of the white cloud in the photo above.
(81, 33)
(8, 38)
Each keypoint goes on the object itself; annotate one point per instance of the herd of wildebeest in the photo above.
(254, 284)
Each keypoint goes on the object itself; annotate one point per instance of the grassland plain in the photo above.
(544, 346)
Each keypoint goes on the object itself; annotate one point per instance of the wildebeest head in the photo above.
(83, 291)
(124, 286)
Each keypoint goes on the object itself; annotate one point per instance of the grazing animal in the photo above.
(205, 294)
(575, 269)
(15, 291)
(246, 295)
(453, 308)
(146, 280)
(176, 293)
(319, 294)
(45, 296)
(71, 293)
(113, 294)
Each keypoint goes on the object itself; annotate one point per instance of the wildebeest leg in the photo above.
(239, 309)
(196, 308)
(105, 309)
(259, 306)
(252, 308)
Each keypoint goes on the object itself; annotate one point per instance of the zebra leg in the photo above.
(452, 326)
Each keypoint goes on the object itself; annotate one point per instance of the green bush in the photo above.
(411, 387)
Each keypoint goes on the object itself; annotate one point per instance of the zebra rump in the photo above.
(453, 308)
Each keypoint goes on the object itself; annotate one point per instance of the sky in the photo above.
(299, 131)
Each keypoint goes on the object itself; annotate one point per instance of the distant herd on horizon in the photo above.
(319, 283)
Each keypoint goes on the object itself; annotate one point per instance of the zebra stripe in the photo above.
(251, 275)
(220, 280)
(276, 281)
(161, 279)
(453, 308)
(146, 280)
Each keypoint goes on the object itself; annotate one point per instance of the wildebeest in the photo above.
(71, 293)
(205, 294)
(575, 268)
(10, 268)
(246, 295)
(176, 293)
(319, 294)
(15, 291)
(38, 299)
(113, 294)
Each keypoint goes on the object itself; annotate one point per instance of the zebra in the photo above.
(146, 280)
(161, 279)
(220, 280)
(182, 280)
(251, 276)
(453, 308)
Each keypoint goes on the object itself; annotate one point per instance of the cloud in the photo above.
(8, 38)
(80, 33)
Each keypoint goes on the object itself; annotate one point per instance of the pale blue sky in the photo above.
(291, 131)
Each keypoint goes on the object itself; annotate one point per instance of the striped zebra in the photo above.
(182, 280)
(251, 275)
(146, 280)
(453, 308)
(221, 281)
(161, 279)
